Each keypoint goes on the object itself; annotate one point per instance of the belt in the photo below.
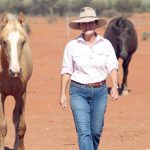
(94, 85)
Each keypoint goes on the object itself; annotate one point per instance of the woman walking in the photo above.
(87, 62)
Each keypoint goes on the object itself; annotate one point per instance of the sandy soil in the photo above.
(127, 122)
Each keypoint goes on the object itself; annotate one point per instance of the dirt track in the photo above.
(127, 122)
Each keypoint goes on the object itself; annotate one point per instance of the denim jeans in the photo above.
(88, 106)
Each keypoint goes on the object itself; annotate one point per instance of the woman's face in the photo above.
(88, 27)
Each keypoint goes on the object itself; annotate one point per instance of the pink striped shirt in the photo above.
(88, 64)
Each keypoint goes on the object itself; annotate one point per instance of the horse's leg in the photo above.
(125, 65)
(3, 125)
(19, 122)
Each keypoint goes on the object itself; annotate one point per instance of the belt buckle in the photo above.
(90, 84)
(98, 84)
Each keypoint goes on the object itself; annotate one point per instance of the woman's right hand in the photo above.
(64, 82)
(63, 101)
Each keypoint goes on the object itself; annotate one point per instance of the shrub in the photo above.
(145, 35)
(145, 5)
(110, 13)
(128, 5)
(100, 5)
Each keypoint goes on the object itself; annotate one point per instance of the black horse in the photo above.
(122, 34)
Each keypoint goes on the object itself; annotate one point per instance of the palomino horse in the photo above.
(15, 71)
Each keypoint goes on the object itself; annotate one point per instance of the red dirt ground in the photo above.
(127, 122)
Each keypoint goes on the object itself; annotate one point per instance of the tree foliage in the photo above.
(62, 7)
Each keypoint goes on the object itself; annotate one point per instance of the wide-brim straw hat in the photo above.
(87, 14)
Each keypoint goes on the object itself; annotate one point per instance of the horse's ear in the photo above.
(21, 18)
(4, 19)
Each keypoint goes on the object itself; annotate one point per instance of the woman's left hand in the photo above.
(114, 93)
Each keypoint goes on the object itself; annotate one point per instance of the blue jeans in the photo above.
(88, 106)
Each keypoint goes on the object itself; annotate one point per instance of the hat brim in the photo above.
(76, 23)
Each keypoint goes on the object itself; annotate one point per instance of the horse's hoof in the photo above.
(125, 92)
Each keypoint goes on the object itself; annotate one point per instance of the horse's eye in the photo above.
(3, 43)
(129, 32)
(23, 42)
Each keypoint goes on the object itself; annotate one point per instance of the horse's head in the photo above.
(122, 28)
(12, 41)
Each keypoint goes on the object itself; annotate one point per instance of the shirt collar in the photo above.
(81, 40)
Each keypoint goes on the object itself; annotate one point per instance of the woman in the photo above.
(87, 61)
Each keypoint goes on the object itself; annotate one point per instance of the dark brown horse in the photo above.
(15, 71)
(122, 34)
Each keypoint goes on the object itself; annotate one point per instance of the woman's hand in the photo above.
(114, 90)
(63, 101)
(114, 93)
(64, 82)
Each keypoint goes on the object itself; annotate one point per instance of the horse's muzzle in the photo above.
(15, 74)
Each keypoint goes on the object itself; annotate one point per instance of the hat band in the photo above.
(87, 17)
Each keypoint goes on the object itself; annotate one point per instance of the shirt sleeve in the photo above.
(111, 62)
(67, 64)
